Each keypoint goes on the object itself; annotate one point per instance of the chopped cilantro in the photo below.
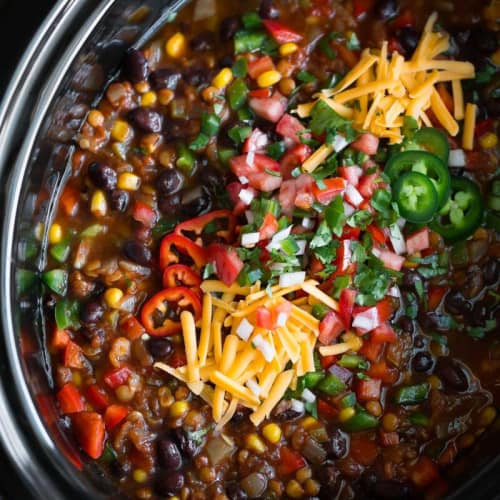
(334, 215)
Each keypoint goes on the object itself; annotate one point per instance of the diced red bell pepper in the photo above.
(371, 351)
(117, 376)
(70, 200)
(270, 108)
(181, 245)
(326, 410)
(260, 65)
(180, 275)
(132, 328)
(97, 397)
(388, 438)
(220, 223)
(290, 461)
(293, 158)
(115, 415)
(363, 449)
(292, 130)
(351, 174)
(368, 390)
(381, 371)
(330, 327)
(257, 142)
(227, 262)
(332, 187)
(418, 241)
(89, 431)
(70, 399)
(361, 7)
(435, 296)
(378, 235)
(424, 472)
(73, 356)
(383, 333)
(280, 32)
(346, 305)
(327, 361)
(144, 214)
(269, 226)
(366, 143)
(60, 339)
(262, 172)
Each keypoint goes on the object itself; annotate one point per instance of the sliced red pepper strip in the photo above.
(174, 244)
(160, 314)
(114, 415)
(220, 223)
(180, 275)
(70, 400)
(281, 33)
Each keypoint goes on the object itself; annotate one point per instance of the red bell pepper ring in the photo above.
(220, 223)
(180, 275)
(281, 33)
(90, 432)
(173, 245)
(70, 400)
(160, 314)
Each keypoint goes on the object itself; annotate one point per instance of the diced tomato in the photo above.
(270, 108)
(330, 327)
(293, 158)
(381, 371)
(290, 461)
(384, 310)
(89, 430)
(329, 189)
(73, 356)
(326, 410)
(353, 196)
(144, 214)
(177, 359)
(361, 7)
(70, 400)
(280, 32)
(405, 20)
(350, 233)
(367, 184)
(114, 415)
(435, 295)
(327, 361)
(260, 173)
(291, 129)
(264, 318)
(418, 241)
(366, 143)
(233, 189)
(351, 174)
(346, 305)
(371, 351)
(424, 472)
(363, 449)
(257, 141)
(60, 339)
(383, 333)
(117, 376)
(97, 397)
(269, 226)
(391, 260)
(132, 328)
(259, 66)
(388, 438)
(368, 390)
(344, 258)
(377, 234)
(296, 193)
(227, 262)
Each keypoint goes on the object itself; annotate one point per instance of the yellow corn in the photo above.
(435, 382)
(95, 118)
(165, 96)
(149, 99)
(76, 377)
(288, 48)
(303, 474)
(120, 131)
(176, 45)
(346, 413)
(98, 204)
(272, 433)
(178, 409)
(311, 487)
(495, 58)
(488, 141)
(55, 234)
(128, 181)
(223, 78)
(142, 87)
(294, 489)
(140, 476)
(487, 416)
(254, 443)
(112, 297)
(268, 78)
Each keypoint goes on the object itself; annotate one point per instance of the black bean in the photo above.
(451, 374)
(408, 37)
(483, 40)
(240, 415)
(235, 492)
(456, 303)
(480, 313)
(92, 334)
(491, 271)
(203, 41)
(390, 489)
(493, 107)
(137, 252)
(331, 482)
(196, 75)
(267, 10)
(406, 324)
(410, 278)
(146, 120)
(119, 200)
(171, 205)
(159, 347)
(165, 78)
(337, 445)
(169, 455)
(170, 483)
(135, 66)
(187, 445)
(422, 362)
(169, 182)
(91, 312)
(102, 176)
(198, 206)
(474, 282)
(211, 178)
(419, 341)
(120, 469)
(228, 28)
(386, 9)
(368, 480)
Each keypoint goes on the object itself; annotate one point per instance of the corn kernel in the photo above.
(95, 118)
(149, 99)
(495, 58)
(128, 181)
(311, 487)
(98, 204)
(268, 78)
(112, 297)
(294, 489)
(76, 377)
(272, 433)
(303, 474)
(120, 131)
(488, 141)
(346, 413)
(288, 48)
(55, 234)
(356, 343)
(151, 142)
(487, 416)
(140, 476)
(254, 443)
(176, 46)
(309, 423)
(178, 409)
(434, 381)
(142, 87)
(165, 96)
(390, 422)
(223, 78)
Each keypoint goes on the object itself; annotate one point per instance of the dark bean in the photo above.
(331, 482)
(119, 200)
(135, 66)
(235, 492)
(160, 348)
(171, 205)
(240, 415)
(203, 41)
(187, 445)
(422, 362)
(406, 324)
(196, 76)
(386, 9)
(419, 341)
(198, 206)
(491, 271)
(368, 480)
(228, 28)
(410, 278)
(165, 78)
(408, 37)
(389, 489)
(483, 40)
(480, 313)
(137, 252)
(267, 10)
(284, 411)
(92, 335)
(91, 312)
(337, 445)
(169, 455)
(226, 61)
(451, 374)
(493, 107)
(146, 120)
(119, 469)
(169, 182)
(102, 176)
(170, 483)
(474, 282)
(455, 303)
(211, 177)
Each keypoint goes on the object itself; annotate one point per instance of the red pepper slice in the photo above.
(290, 461)
(160, 314)
(173, 245)
(70, 400)
(97, 397)
(219, 223)
(114, 415)
(281, 33)
(117, 376)
(180, 275)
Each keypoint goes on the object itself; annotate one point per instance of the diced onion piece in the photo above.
(308, 223)
(264, 347)
(297, 406)
(278, 238)
(353, 195)
(243, 179)
(250, 216)
(308, 396)
(251, 158)
(394, 291)
(302, 244)
(250, 239)
(397, 239)
(348, 209)
(281, 319)
(339, 143)
(457, 158)
(244, 330)
(366, 320)
(246, 196)
(290, 279)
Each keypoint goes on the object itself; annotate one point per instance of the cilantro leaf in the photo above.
(335, 216)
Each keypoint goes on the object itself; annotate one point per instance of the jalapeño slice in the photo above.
(463, 213)
(416, 197)
(432, 140)
(426, 164)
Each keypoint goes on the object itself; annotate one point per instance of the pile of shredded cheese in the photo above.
(248, 365)
(378, 92)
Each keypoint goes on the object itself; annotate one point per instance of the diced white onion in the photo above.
(457, 158)
(308, 223)
(353, 195)
(394, 291)
(253, 386)
(145, 337)
(339, 143)
(290, 279)
(278, 238)
(376, 252)
(297, 406)
(250, 239)
(348, 209)
(401, 222)
(250, 216)
(264, 347)
(251, 158)
(397, 239)
(308, 396)
(246, 196)
(366, 320)
(281, 319)
(244, 330)
(243, 179)
(302, 244)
